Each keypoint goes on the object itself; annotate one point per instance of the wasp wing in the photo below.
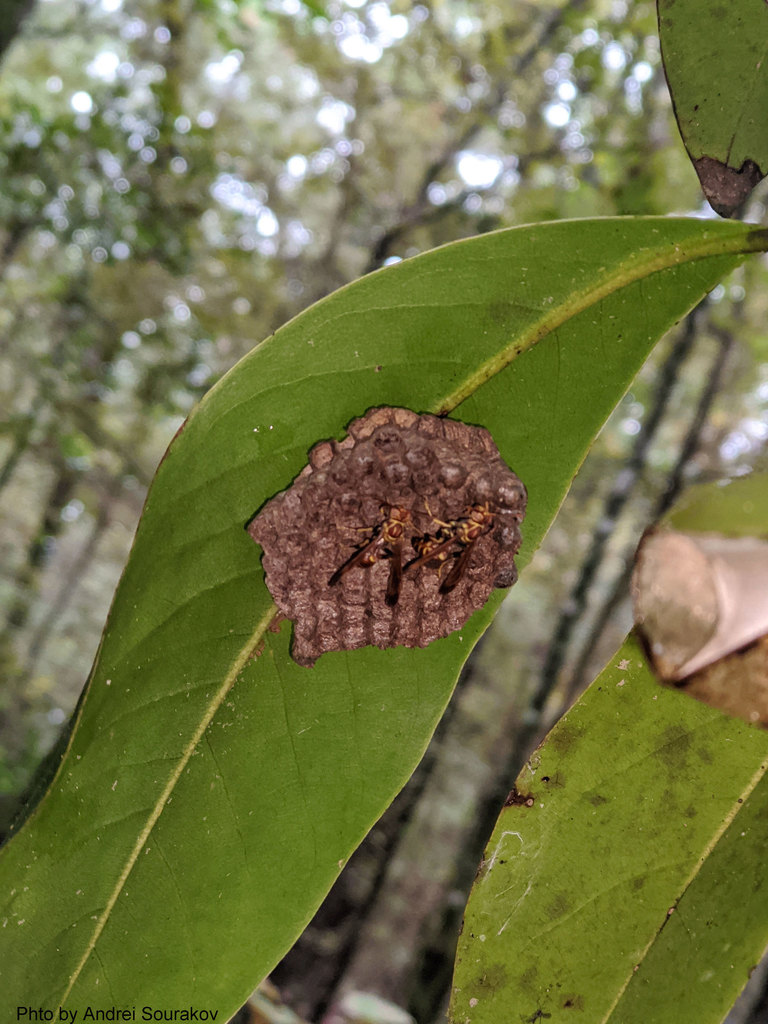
(457, 570)
(431, 552)
(395, 574)
(365, 556)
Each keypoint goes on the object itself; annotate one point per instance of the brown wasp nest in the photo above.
(393, 536)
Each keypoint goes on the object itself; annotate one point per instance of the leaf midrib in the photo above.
(623, 274)
(228, 682)
(737, 806)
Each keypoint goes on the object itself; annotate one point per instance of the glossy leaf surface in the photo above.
(212, 789)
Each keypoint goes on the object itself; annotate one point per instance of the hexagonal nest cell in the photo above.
(393, 536)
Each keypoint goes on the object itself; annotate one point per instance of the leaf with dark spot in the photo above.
(718, 79)
(725, 187)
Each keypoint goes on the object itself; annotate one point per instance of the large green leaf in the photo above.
(208, 798)
(714, 58)
(634, 888)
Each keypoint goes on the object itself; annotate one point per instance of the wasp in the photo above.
(463, 532)
(433, 549)
(386, 542)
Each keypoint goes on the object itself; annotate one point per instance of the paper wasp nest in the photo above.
(393, 536)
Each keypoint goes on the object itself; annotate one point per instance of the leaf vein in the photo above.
(159, 805)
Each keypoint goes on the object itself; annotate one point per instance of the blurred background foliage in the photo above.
(179, 178)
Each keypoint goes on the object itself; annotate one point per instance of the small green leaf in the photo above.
(212, 789)
(736, 508)
(714, 58)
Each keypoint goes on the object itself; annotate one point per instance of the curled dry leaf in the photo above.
(701, 605)
(393, 536)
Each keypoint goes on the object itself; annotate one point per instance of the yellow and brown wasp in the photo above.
(464, 532)
(433, 549)
(385, 543)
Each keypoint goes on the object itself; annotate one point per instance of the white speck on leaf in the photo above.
(502, 837)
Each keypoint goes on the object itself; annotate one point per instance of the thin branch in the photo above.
(74, 576)
(618, 591)
(12, 17)
(23, 430)
(420, 210)
(16, 232)
(575, 604)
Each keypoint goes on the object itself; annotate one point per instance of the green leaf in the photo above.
(736, 508)
(714, 59)
(208, 797)
(635, 887)
(626, 845)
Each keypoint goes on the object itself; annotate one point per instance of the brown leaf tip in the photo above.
(393, 536)
(726, 187)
